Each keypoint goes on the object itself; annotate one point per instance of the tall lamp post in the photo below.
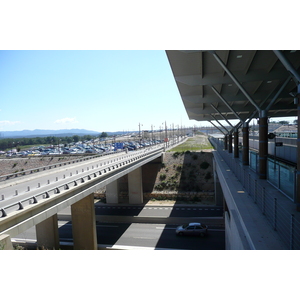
(140, 131)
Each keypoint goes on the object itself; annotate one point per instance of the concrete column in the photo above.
(263, 144)
(236, 143)
(230, 142)
(84, 224)
(135, 186)
(226, 142)
(219, 197)
(298, 158)
(47, 233)
(5, 242)
(112, 192)
(245, 144)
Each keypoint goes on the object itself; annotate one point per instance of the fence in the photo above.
(282, 221)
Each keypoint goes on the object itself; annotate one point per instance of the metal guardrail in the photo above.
(103, 170)
(282, 221)
(34, 170)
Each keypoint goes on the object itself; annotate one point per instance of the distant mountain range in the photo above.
(42, 132)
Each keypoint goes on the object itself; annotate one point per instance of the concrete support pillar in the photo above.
(135, 186)
(236, 143)
(112, 192)
(263, 144)
(298, 158)
(226, 142)
(245, 144)
(84, 224)
(47, 233)
(230, 142)
(219, 197)
(5, 242)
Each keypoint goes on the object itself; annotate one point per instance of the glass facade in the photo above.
(282, 176)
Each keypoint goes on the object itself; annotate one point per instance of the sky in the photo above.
(101, 90)
(46, 82)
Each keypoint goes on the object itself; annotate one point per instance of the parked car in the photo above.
(197, 229)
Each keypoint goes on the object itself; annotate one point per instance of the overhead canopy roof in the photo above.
(209, 92)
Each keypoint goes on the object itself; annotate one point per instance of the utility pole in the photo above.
(140, 131)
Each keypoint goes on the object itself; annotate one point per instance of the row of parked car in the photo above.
(80, 148)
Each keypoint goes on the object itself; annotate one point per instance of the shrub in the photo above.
(162, 177)
(178, 168)
(175, 154)
(207, 176)
(204, 165)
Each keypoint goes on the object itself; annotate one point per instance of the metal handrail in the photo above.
(282, 221)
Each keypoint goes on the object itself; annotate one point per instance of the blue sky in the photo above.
(102, 90)
(110, 90)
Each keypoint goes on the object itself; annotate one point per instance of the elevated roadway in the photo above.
(35, 200)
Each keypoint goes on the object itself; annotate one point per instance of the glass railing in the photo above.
(280, 175)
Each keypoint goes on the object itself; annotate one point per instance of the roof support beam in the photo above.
(225, 102)
(278, 93)
(221, 115)
(216, 126)
(287, 65)
(234, 80)
(219, 123)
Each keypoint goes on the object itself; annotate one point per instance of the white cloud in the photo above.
(66, 120)
(5, 123)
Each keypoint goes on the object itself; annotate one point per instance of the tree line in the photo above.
(18, 143)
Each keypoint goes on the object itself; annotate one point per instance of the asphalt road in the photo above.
(159, 210)
(149, 237)
(149, 227)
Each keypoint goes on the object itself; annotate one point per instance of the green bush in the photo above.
(204, 165)
(162, 177)
(178, 168)
(207, 176)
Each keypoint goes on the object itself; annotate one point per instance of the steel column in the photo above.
(230, 142)
(263, 144)
(245, 144)
(298, 159)
(236, 143)
(226, 142)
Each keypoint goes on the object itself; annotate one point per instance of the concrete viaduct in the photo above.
(74, 186)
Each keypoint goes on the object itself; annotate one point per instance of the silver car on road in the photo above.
(198, 229)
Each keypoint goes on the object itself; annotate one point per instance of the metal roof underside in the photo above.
(204, 84)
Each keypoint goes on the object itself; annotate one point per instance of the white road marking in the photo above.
(165, 228)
